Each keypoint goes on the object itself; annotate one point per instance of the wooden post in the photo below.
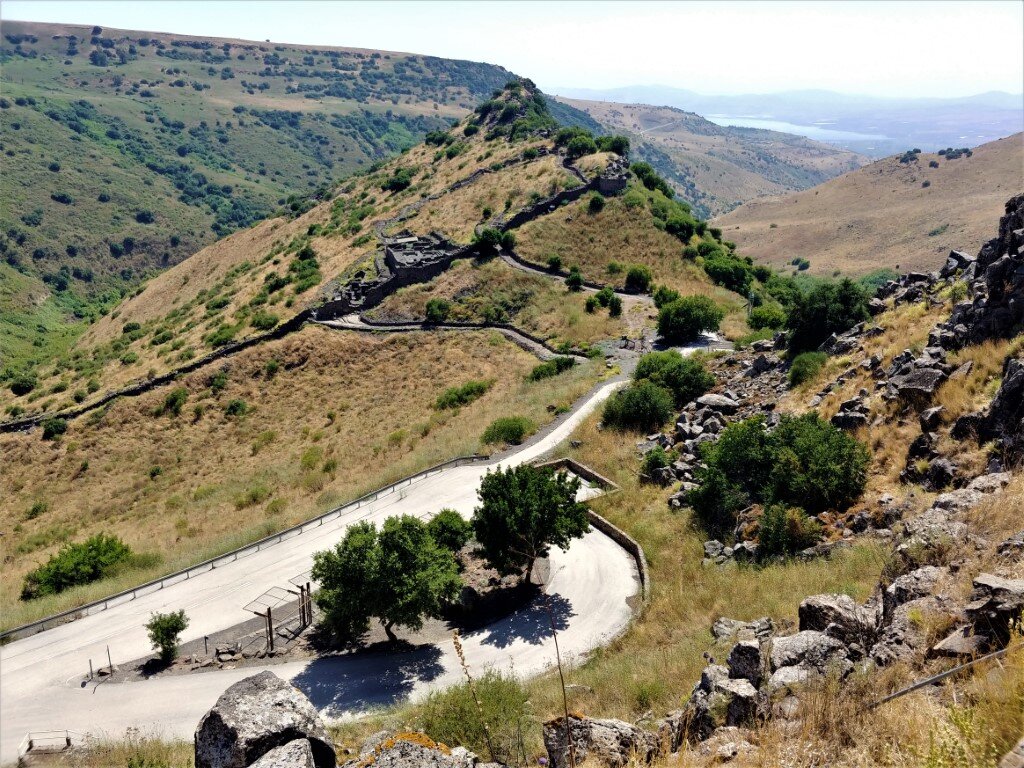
(110, 664)
(309, 601)
(270, 631)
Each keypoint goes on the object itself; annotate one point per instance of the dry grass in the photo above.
(881, 216)
(319, 432)
(536, 304)
(457, 213)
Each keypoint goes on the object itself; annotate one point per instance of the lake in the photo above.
(810, 131)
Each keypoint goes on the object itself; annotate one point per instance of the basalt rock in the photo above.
(609, 742)
(294, 754)
(254, 716)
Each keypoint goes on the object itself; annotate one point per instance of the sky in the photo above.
(898, 49)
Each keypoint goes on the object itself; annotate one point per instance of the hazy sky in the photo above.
(878, 48)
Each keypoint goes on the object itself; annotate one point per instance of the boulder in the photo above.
(919, 385)
(995, 603)
(294, 754)
(931, 418)
(747, 662)
(727, 743)
(911, 586)
(849, 420)
(809, 648)
(412, 750)
(254, 716)
(838, 616)
(1015, 757)
(608, 742)
(719, 403)
(724, 628)
(961, 642)
(904, 638)
(941, 473)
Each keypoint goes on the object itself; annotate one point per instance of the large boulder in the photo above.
(839, 616)
(995, 603)
(294, 754)
(254, 716)
(719, 403)
(410, 750)
(608, 742)
(746, 662)
(918, 386)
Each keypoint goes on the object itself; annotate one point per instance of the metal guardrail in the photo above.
(49, 741)
(228, 557)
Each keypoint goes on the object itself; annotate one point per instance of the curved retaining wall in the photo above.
(228, 557)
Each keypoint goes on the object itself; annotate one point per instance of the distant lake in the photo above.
(810, 131)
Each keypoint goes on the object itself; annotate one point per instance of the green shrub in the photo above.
(173, 402)
(785, 531)
(555, 263)
(685, 378)
(805, 367)
(664, 295)
(236, 407)
(164, 629)
(253, 495)
(638, 279)
(23, 383)
(510, 430)
(53, 428)
(591, 304)
(596, 203)
(574, 280)
(615, 306)
(263, 320)
(464, 394)
(656, 458)
(453, 715)
(437, 310)
(551, 367)
(642, 406)
(767, 316)
(449, 529)
(75, 564)
(683, 320)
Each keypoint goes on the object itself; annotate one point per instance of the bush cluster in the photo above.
(551, 367)
(804, 462)
(826, 309)
(510, 430)
(464, 394)
(805, 367)
(75, 564)
(684, 319)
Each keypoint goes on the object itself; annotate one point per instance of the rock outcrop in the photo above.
(608, 742)
(253, 717)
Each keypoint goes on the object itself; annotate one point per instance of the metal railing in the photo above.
(228, 557)
(49, 741)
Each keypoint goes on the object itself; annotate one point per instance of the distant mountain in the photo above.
(715, 168)
(885, 125)
(901, 215)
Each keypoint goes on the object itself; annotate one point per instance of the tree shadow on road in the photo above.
(359, 681)
(531, 624)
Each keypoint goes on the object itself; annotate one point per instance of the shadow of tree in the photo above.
(531, 623)
(359, 681)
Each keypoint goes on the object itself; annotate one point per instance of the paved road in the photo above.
(590, 585)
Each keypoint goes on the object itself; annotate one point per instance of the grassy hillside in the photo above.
(906, 215)
(713, 167)
(124, 151)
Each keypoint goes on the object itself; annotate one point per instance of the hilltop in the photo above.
(127, 151)
(904, 212)
(713, 167)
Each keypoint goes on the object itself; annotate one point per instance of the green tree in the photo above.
(686, 378)
(574, 281)
(664, 295)
(450, 530)
(348, 576)
(164, 629)
(524, 511)
(638, 279)
(828, 308)
(596, 203)
(683, 320)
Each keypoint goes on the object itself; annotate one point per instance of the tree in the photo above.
(524, 511)
(164, 630)
(596, 203)
(397, 576)
(450, 530)
(574, 281)
(642, 406)
(683, 320)
(828, 308)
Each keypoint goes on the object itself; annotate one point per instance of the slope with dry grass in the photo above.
(888, 214)
(309, 428)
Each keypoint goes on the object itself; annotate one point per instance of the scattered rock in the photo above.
(719, 403)
(609, 742)
(294, 754)
(840, 617)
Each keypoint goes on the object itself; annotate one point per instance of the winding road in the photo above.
(590, 587)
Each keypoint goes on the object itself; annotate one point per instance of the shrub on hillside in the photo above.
(685, 378)
(664, 295)
(456, 715)
(804, 462)
(805, 367)
(464, 394)
(684, 319)
(638, 279)
(656, 458)
(510, 430)
(828, 308)
(614, 306)
(173, 402)
(164, 629)
(23, 383)
(785, 531)
(76, 564)
(596, 203)
(551, 368)
(767, 316)
(643, 406)
(555, 263)
(53, 428)
(574, 280)
(437, 310)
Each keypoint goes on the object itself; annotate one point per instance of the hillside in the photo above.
(715, 168)
(905, 216)
(126, 151)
